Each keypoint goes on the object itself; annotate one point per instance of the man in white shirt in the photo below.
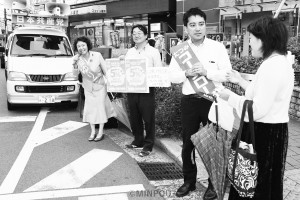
(215, 64)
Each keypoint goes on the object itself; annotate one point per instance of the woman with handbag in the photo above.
(97, 106)
(270, 92)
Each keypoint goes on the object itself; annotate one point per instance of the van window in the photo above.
(44, 45)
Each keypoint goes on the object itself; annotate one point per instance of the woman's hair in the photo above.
(141, 27)
(272, 32)
(85, 40)
(193, 12)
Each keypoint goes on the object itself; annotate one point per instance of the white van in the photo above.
(38, 68)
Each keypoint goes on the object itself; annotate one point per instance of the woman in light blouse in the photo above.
(270, 91)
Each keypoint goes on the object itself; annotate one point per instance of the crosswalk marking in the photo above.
(73, 192)
(78, 172)
(14, 174)
(57, 131)
(106, 197)
(18, 119)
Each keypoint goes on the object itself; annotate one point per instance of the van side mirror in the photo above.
(2, 49)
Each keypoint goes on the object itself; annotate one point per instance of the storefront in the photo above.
(109, 23)
(236, 15)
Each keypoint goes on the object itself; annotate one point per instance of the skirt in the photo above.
(271, 142)
(97, 107)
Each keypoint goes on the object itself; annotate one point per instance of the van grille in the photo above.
(45, 89)
(45, 78)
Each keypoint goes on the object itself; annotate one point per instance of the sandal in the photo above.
(144, 153)
(132, 146)
(92, 137)
(97, 139)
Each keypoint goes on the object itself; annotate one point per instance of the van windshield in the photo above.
(40, 45)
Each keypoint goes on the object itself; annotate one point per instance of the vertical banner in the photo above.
(136, 78)
(116, 75)
(186, 58)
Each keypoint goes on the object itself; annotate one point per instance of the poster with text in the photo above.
(158, 77)
(116, 75)
(136, 79)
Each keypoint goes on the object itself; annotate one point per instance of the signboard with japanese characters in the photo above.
(186, 58)
(115, 75)
(89, 9)
(128, 76)
(132, 76)
(136, 77)
(158, 77)
(38, 20)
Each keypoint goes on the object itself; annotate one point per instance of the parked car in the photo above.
(39, 68)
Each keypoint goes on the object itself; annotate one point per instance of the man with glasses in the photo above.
(142, 105)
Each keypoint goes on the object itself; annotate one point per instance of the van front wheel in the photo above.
(10, 106)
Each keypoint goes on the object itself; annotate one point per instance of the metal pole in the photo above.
(279, 8)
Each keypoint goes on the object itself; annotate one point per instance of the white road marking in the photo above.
(73, 192)
(13, 176)
(122, 196)
(18, 119)
(57, 131)
(78, 172)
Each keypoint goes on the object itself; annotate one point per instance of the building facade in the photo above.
(111, 23)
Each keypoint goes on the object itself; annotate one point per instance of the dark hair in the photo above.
(151, 42)
(85, 40)
(141, 27)
(179, 36)
(272, 32)
(193, 12)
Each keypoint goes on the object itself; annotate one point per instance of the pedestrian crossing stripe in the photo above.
(80, 192)
(78, 172)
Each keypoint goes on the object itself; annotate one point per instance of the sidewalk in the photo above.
(292, 173)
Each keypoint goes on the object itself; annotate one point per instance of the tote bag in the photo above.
(242, 168)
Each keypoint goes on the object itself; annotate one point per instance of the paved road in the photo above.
(45, 154)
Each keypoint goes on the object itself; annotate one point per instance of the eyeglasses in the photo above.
(138, 34)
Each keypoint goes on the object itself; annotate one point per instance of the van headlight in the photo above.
(70, 77)
(16, 76)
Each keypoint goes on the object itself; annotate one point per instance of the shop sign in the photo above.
(89, 9)
(37, 20)
(216, 36)
(211, 29)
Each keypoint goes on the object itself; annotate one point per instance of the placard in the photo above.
(127, 76)
(116, 75)
(158, 77)
(136, 78)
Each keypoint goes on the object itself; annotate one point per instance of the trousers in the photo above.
(194, 110)
(142, 109)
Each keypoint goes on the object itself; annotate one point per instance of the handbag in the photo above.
(242, 167)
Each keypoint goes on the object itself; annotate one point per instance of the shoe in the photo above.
(185, 189)
(210, 193)
(132, 146)
(99, 139)
(92, 137)
(144, 153)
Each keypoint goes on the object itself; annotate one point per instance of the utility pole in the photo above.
(5, 21)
